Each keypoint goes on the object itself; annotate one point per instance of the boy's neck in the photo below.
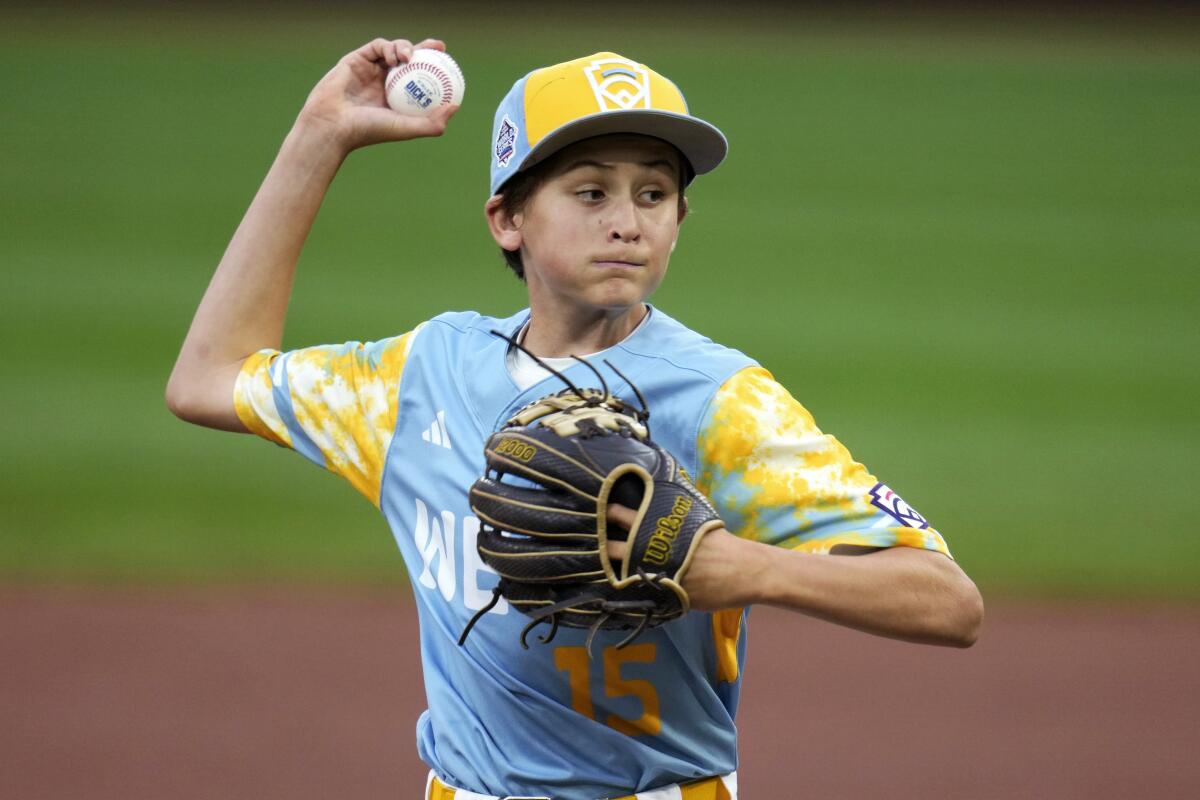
(551, 335)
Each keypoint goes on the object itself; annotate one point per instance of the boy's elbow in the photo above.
(191, 398)
(953, 614)
(205, 397)
(178, 398)
(967, 617)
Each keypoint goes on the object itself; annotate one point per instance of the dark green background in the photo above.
(969, 245)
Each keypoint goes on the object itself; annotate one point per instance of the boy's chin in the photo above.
(618, 299)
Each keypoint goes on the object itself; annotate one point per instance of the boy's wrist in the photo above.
(317, 139)
(743, 570)
(756, 566)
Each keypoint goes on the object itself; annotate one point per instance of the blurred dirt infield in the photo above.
(297, 694)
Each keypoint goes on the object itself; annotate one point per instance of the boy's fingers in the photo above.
(621, 519)
(622, 516)
(373, 50)
(391, 54)
(392, 51)
(617, 550)
(433, 125)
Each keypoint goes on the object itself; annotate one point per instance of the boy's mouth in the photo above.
(617, 262)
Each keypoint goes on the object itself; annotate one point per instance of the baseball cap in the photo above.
(555, 106)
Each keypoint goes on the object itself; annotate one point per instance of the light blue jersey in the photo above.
(405, 420)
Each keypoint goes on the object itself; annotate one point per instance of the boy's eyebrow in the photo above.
(657, 163)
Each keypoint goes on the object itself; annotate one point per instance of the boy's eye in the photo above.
(590, 195)
(654, 195)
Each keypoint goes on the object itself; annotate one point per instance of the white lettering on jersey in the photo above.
(434, 536)
(473, 596)
(435, 539)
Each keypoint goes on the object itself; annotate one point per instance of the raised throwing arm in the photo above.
(244, 308)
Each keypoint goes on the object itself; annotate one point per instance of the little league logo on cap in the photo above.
(604, 93)
(619, 83)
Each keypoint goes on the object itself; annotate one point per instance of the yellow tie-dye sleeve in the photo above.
(776, 478)
(334, 404)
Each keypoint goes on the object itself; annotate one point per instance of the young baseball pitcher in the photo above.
(594, 667)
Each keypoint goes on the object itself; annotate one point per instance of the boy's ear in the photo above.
(505, 228)
(683, 212)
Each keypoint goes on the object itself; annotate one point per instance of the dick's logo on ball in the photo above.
(419, 94)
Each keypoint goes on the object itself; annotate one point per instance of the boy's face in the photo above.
(598, 232)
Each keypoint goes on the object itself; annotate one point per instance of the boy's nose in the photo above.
(624, 236)
(623, 225)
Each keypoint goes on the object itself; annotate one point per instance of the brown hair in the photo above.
(514, 194)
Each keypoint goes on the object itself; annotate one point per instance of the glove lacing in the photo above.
(550, 614)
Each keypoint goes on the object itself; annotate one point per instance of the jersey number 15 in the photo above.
(575, 662)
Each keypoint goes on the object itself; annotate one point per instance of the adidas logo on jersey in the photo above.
(437, 433)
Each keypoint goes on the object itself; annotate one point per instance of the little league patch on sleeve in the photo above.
(894, 506)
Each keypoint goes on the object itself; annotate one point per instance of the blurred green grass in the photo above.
(969, 246)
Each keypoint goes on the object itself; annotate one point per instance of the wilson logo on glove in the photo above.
(666, 530)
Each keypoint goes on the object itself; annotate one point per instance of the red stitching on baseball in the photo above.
(435, 71)
(395, 77)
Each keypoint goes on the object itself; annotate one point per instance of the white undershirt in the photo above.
(526, 372)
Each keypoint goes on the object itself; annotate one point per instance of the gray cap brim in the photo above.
(702, 144)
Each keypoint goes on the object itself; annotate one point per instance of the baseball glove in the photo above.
(552, 471)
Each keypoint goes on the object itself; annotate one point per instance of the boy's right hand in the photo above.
(349, 103)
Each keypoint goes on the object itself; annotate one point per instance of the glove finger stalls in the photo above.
(586, 604)
(531, 512)
(529, 597)
(571, 605)
(582, 602)
(542, 456)
(528, 559)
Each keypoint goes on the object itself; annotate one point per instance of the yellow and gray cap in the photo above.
(603, 93)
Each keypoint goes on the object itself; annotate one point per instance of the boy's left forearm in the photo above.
(899, 592)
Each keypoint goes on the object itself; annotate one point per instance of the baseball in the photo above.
(428, 80)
